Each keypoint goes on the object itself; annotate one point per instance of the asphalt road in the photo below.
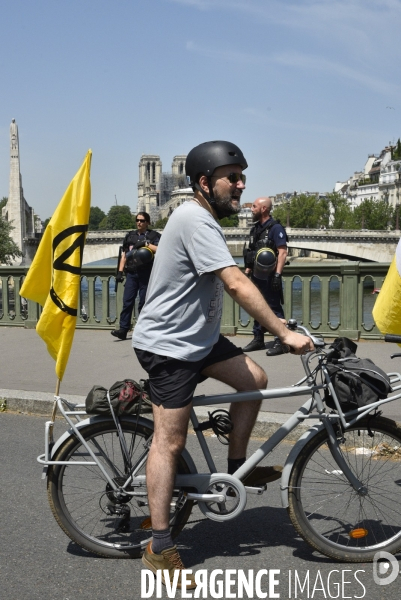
(99, 359)
(38, 562)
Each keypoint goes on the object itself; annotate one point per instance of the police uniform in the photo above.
(268, 234)
(137, 278)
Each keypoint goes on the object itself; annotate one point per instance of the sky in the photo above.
(307, 89)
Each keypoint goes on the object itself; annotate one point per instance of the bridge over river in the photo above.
(375, 246)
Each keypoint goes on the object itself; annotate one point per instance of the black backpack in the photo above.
(357, 381)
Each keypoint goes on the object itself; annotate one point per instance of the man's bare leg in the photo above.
(168, 442)
(241, 373)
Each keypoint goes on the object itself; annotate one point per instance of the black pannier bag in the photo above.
(126, 398)
(357, 381)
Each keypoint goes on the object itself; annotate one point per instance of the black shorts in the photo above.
(172, 382)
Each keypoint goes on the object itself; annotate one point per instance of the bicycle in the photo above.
(340, 482)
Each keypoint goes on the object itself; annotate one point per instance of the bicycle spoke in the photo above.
(326, 508)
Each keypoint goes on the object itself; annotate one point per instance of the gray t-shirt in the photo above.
(182, 312)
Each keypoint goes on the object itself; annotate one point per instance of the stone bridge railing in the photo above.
(331, 298)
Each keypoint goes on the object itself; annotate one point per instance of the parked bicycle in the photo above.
(340, 483)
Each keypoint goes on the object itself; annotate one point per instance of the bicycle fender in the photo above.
(289, 463)
(98, 418)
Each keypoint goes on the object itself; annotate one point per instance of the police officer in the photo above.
(137, 270)
(265, 274)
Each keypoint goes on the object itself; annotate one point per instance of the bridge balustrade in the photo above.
(332, 298)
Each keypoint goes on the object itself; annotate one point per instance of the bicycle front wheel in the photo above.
(326, 510)
(85, 505)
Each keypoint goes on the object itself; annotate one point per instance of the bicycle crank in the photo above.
(223, 499)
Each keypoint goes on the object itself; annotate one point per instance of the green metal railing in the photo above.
(331, 298)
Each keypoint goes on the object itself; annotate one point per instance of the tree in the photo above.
(118, 217)
(3, 202)
(231, 221)
(161, 223)
(373, 214)
(341, 213)
(280, 213)
(9, 250)
(305, 212)
(397, 151)
(95, 217)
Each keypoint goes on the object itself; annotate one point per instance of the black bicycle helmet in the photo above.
(205, 158)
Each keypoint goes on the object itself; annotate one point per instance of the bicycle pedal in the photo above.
(258, 491)
(120, 510)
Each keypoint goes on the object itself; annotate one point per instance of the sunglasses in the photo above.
(235, 177)
(140, 220)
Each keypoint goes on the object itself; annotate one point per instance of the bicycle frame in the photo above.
(313, 408)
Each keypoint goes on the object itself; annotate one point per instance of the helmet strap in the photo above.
(209, 196)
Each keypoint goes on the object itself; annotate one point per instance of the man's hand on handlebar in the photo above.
(297, 343)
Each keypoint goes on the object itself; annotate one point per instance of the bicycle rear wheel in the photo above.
(326, 510)
(85, 505)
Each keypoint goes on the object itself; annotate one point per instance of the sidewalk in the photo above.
(28, 379)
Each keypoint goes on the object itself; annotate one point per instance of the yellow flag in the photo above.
(53, 279)
(387, 309)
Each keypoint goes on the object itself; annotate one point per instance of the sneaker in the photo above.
(168, 559)
(262, 475)
(256, 344)
(121, 334)
(276, 349)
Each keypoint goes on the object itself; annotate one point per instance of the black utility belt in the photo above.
(136, 270)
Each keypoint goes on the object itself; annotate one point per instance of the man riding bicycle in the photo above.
(181, 325)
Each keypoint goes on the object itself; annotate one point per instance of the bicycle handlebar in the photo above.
(390, 337)
(317, 342)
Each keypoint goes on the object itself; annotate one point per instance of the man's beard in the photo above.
(255, 217)
(224, 206)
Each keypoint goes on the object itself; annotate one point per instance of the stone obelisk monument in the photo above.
(15, 204)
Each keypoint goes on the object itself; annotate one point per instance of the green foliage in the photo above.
(280, 213)
(95, 218)
(161, 223)
(118, 217)
(373, 214)
(342, 216)
(3, 202)
(9, 250)
(305, 211)
(231, 221)
(397, 151)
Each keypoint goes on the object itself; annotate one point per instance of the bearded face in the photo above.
(226, 191)
(228, 204)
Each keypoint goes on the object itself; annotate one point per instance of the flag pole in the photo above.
(54, 411)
